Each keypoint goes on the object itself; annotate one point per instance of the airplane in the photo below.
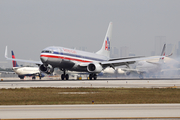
(25, 71)
(67, 59)
(148, 68)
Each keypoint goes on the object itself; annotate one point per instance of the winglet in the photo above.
(6, 54)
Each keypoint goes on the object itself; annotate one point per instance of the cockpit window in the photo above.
(46, 51)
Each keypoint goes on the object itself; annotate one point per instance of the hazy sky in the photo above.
(28, 26)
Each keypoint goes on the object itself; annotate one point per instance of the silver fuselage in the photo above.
(69, 59)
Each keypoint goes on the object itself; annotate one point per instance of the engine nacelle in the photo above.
(46, 69)
(94, 68)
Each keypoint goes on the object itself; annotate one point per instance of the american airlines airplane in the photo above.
(67, 59)
(25, 71)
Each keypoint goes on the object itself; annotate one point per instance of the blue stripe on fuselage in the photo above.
(78, 56)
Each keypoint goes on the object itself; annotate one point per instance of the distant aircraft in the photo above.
(81, 61)
(148, 68)
(25, 71)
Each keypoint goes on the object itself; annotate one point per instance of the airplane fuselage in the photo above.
(26, 71)
(69, 59)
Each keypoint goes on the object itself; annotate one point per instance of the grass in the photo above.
(50, 96)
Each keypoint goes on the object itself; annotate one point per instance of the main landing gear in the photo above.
(92, 75)
(64, 75)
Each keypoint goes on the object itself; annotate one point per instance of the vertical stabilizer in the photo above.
(163, 53)
(105, 50)
(163, 50)
(14, 62)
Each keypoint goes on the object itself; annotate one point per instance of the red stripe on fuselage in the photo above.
(67, 58)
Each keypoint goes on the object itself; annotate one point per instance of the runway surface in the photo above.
(92, 111)
(91, 83)
(110, 111)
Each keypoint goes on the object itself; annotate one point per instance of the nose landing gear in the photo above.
(64, 75)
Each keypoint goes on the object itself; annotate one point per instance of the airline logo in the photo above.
(163, 55)
(107, 44)
(14, 62)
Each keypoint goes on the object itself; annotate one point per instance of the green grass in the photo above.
(50, 96)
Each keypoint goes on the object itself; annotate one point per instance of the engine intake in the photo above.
(94, 68)
(46, 69)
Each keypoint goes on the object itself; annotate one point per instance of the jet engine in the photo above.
(94, 68)
(48, 69)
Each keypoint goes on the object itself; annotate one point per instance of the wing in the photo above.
(125, 58)
(21, 60)
(126, 62)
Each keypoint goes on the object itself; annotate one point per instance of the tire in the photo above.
(67, 77)
(62, 77)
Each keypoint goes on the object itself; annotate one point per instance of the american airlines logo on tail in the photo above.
(107, 44)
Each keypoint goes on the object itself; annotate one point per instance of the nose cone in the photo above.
(44, 59)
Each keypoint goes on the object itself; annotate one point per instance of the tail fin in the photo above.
(163, 50)
(14, 62)
(163, 53)
(105, 50)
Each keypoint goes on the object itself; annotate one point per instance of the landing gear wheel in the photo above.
(90, 76)
(95, 76)
(62, 77)
(67, 77)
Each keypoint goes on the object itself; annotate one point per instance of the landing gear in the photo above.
(67, 77)
(21, 77)
(40, 76)
(34, 77)
(92, 75)
(64, 75)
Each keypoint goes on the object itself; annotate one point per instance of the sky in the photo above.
(28, 26)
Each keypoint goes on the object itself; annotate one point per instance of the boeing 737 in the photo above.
(75, 60)
(25, 71)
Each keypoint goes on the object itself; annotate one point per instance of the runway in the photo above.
(109, 111)
(94, 111)
(106, 83)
